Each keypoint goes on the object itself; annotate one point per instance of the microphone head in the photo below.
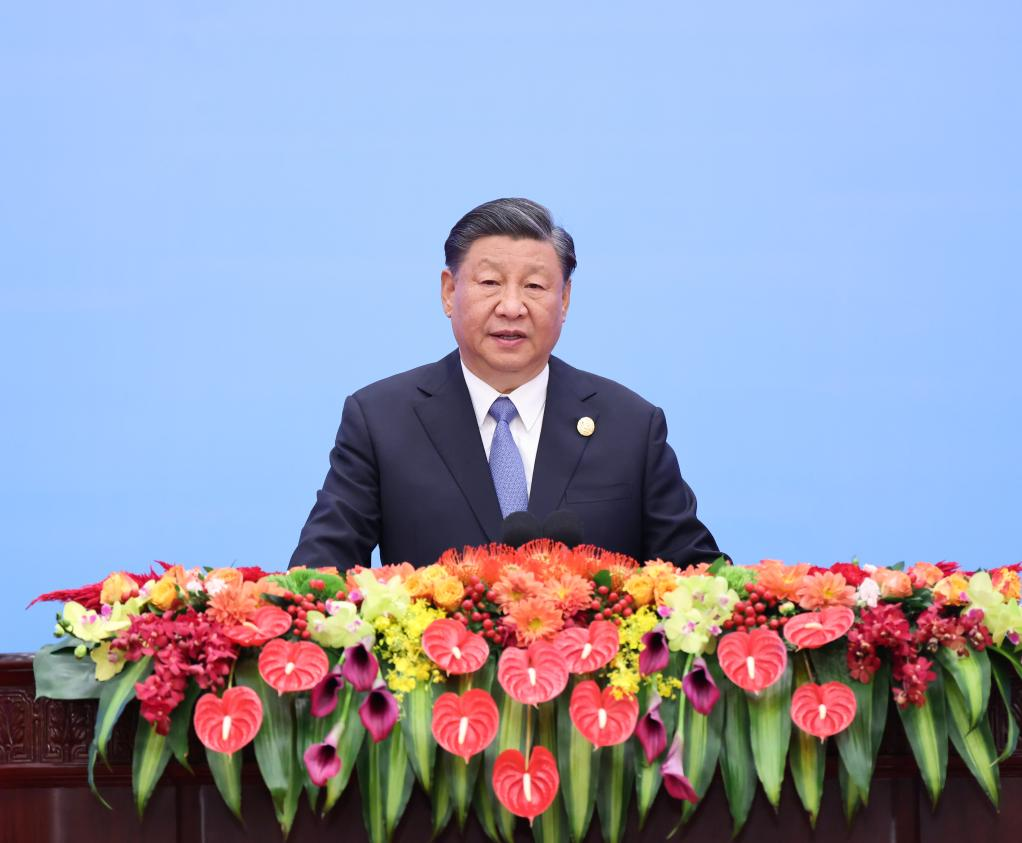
(520, 528)
(564, 526)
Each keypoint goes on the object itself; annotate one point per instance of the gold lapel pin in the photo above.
(586, 426)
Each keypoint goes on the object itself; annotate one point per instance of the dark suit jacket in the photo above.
(408, 472)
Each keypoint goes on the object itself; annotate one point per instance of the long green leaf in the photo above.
(971, 673)
(275, 744)
(385, 778)
(701, 737)
(510, 735)
(116, 694)
(926, 729)
(61, 676)
(457, 777)
(417, 725)
(579, 765)
(974, 743)
(1002, 679)
(441, 801)
(149, 760)
(617, 772)
(807, 755)
(180, 725)
(552, 825)
(736, 765)
(853, 797)
(226, 770)
(348, 745)
(770, 732)
(855, 744)
(647, 776)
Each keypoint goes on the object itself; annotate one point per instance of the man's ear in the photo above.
(447, 291)
(565, 299)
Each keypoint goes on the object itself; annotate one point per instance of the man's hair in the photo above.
(515, 218)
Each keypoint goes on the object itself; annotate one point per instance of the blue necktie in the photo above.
(505, 461)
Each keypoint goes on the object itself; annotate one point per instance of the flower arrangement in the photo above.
(539, 682)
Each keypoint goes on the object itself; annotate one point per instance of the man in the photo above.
(436, 457)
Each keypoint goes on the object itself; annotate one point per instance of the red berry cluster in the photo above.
(302, 604)
(480, 614)
(610, 606)
(758, 609)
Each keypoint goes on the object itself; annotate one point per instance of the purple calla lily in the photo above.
(654, 654)
(324, 694)
(675, 780)
(379, 711)
(650, 729)
(700, 688)
(322, 760)
(360, 667)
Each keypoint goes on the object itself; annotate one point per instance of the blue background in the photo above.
(797, 227)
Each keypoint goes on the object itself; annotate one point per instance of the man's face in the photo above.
(506, 305)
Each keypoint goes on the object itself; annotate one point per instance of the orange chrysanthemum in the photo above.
(695, 570)
(570, 593)
(515, 584)
(825, 589)
(534, 618)
(233, 603)
(384, 574)
(783, 580)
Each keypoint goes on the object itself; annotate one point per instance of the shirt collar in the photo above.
(529, 399)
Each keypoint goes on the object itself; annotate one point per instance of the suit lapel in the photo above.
(450, 422)
(560, 444)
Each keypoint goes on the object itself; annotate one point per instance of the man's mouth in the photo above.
(508, 336)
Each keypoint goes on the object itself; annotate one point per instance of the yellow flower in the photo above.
(118, 588)
(163, 595)
(448, 593)
(952, 589)
(105, 667)
(640, 586)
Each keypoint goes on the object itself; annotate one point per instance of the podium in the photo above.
(45, 798)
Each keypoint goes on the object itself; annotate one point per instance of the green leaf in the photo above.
(91, 775)
(855, 744)
(180, 725)
(617, 773)
(458, 777)
(579, 765)
(1002, 679)
(385, 778)
(148, 761)
(61, 676)
(807, 755)
(770, 733)
(647, 776)
(417, 724)
(716, 565)
(349, 745)
(926, 729)
(116, 694)
(275, 744)
(226, 770)
(602, 578)
(297, 580)
(552, 825)
(736, 765)
(971, 674)
(974, 743)
(443, 806)
(510, 735)
(700, 736)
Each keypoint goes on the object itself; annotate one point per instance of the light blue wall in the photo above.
(798, 227)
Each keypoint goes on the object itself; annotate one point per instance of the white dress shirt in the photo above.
(529, 400)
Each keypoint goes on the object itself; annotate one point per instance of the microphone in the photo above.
(564, 526)
(520, 528)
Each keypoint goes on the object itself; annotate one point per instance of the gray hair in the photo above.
(515, 218)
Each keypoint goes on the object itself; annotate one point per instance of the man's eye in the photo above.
(489, 282)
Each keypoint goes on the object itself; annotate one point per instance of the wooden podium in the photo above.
(44, 796)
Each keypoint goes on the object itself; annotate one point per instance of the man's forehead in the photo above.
(502, 253)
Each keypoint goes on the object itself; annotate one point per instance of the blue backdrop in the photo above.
(797, 225)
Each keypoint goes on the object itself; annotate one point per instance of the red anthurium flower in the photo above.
(227, 723)
(292, 665)
(324, 694)
(586, 649)
(534, 675)
(379, 711)
(360, 667)
(322, 760)
(823, 710)
(675, 781)
(654, 654)
(602, 719)
(467, 724)
(263, 624)
(526, 790)
(700, 688)
(752, 660)
(454, 647)
(650, 729)
(814, 629)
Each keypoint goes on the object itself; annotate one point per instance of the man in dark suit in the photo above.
(436, 457)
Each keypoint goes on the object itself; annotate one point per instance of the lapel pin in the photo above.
(586, 426)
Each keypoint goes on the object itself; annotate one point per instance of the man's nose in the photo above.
(511, 304)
